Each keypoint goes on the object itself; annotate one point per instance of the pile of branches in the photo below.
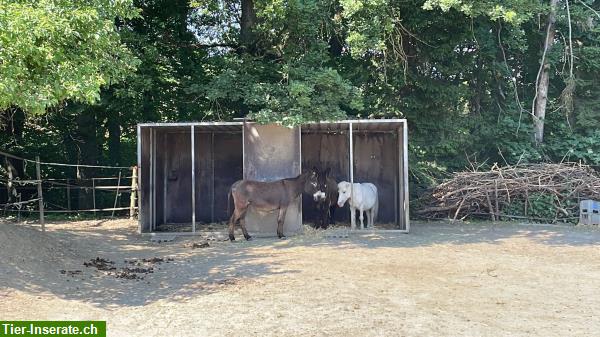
(509, 192)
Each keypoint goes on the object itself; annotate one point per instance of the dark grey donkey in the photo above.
(325, 199)
(268, 196)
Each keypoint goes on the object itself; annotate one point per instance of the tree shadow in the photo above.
(191, 272)
(32, 261)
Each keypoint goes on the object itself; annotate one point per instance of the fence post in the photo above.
(39, 189)
(68, 194)
(133, 194)
(94, 195)
(116, 194)
(19, 209)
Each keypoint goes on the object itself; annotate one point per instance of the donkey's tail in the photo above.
(228, 201)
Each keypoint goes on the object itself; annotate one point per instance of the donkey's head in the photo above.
(311, 181)
(323, 181)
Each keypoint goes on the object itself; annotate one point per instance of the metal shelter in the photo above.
(186, 169)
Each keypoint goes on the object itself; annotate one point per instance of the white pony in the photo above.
(364, 198)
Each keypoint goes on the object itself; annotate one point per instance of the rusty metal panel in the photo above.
(228, 168)
(325, 150)
(272, 152)
(379, 157)
(376, 162)
(179, 179)
(203, 172)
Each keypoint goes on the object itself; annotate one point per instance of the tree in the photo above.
(540, 99)
(53, 50)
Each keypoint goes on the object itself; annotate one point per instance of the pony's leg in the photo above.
(243, 225)
(362, 224)
(370, 218)
(352, 217)
(280, 219)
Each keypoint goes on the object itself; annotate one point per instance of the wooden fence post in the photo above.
(134, 187)
(94, 195)
(39, 189)
(68, 194)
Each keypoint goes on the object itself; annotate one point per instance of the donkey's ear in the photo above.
(327, 171)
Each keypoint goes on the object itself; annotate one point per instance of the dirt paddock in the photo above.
(440, 280)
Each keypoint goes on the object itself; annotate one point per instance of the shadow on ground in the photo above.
(32, 261)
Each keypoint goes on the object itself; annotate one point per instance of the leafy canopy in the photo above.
(53, 50)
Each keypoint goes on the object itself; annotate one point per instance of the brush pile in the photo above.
(546, 192)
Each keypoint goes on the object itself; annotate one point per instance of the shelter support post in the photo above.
(135, 183)
(153, 179)
(404, 176)
(193, 141)
(397, 203)
(212, 177)
(165, 180)
(351, 165)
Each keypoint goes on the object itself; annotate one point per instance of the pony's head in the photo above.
(344, 192)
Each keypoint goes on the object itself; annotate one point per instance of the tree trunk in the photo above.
(88, 153)
(541, 96)
(13, 126)
(114, 138)
(248, 21)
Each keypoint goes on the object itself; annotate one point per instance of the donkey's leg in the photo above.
(280, 220)
(324, 216)
(232, 222)
(243, 225)
(332, 214)
(319, 220)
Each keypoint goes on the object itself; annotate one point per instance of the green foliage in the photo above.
(462, 72)
(52, 50)
(543, 206)
(511, 11)
(292, 80)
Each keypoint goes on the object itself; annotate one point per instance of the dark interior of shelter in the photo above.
(218, 160)
(376, 161)
(218, 164)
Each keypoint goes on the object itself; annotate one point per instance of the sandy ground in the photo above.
(440, 280)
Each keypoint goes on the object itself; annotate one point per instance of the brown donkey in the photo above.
(268, 196)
